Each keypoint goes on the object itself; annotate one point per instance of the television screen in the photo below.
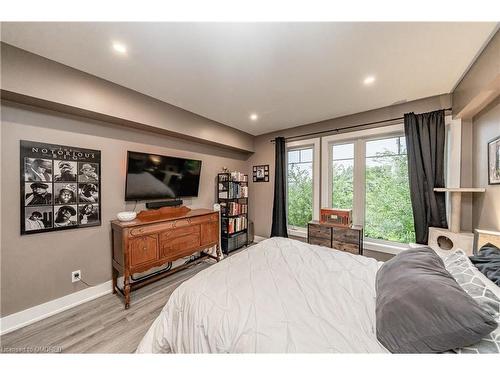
(155, 176)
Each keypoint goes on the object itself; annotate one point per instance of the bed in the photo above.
(279, 296)
(286, 296)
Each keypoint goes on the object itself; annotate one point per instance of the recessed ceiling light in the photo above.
(369, 80)
(120, 47)
(254, 117)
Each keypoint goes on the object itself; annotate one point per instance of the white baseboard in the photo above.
(257, 239)
(26, 317)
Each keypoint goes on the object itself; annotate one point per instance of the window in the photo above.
(342, 175)
(388, 212)
(368, 171)
(300, 187)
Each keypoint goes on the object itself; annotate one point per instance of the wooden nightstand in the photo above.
(345, 239)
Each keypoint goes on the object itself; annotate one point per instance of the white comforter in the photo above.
(278, 296)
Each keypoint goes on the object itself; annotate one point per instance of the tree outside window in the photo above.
(388, 211)
(300, 187)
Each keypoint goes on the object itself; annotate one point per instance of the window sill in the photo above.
(298, 232)
(384, 246)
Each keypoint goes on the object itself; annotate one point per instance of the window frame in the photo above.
(315, 144)
(359, 138)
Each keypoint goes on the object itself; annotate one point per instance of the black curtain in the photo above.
(279, 228)
(425, 139)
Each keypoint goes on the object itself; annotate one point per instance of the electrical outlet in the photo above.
(76, 276)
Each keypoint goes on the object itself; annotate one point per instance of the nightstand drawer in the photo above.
(348, 247)
(349, 239)
(346, 235)
(320, 241)
(319, 231)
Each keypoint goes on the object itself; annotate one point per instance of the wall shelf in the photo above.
(456, 204)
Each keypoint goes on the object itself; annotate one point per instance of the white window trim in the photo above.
(357, 138)
(358, 211)
(316, 144)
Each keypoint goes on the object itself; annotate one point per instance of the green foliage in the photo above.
(300, 196)
(342, 185)
(388, 213)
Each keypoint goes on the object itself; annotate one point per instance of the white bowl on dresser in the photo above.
(126, 215)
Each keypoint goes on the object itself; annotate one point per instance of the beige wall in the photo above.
(481, 84)
(37, 268)
(36, 80)
(261, 194)
(475, 101)
(486, 207)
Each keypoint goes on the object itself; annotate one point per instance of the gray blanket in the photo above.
(487, 260)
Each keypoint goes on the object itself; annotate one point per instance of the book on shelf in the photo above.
(233, 176)
(236, 224)
(235, 191)
(238, 176)
(233, 208)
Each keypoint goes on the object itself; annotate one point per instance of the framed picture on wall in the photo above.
(494, 161)
(261, 173)
(60, 187)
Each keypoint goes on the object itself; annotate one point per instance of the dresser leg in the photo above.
(115, 279)
(218, 252)
(126, 291)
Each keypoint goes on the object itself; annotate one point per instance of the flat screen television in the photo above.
(152, 176)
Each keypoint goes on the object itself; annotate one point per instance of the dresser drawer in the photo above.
(205, 219)
(178, 247)
(179, 232)
(143, 250)
(147, 229)
(348, 247)
(319, 241)
(346, 235)
(319, 231)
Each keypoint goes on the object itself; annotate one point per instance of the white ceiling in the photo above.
(289, 73)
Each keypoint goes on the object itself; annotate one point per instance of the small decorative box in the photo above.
(337, 217)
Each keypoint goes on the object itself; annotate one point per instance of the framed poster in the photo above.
(261, 173)
(494, 161)
(60, 187)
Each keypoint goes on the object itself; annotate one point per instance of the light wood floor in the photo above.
(103, 325)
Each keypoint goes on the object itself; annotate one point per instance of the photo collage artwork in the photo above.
(60, 187)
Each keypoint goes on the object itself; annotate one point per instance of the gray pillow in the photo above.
(420, 308)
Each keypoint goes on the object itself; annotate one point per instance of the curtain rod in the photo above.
(337, 130)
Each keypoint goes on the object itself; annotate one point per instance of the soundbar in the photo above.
(170, 203)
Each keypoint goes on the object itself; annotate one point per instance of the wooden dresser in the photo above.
(157, 237)
(339, 238)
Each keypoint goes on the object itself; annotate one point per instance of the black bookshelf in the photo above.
(232, 196)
